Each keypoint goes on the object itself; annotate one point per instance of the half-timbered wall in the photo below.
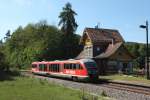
(88, 51)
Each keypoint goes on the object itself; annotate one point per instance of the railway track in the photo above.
(145, 90)
(128, 87)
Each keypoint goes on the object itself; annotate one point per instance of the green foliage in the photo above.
(34, 42)
(67, 20)
(70, 41)
(38, 42)
(70, 46)
(139, 51)
(3, 63)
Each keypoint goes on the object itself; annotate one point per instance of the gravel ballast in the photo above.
(97, 89)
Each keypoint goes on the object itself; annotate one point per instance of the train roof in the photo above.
(70, 60)
(39, 62)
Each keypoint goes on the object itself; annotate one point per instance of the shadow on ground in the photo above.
(8, 75)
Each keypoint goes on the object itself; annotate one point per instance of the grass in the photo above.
(128, 78)
(23, 88)
(27, 88)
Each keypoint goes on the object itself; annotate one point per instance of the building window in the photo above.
(98, 48)
(88, 50)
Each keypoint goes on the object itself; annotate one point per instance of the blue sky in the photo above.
(123, 15)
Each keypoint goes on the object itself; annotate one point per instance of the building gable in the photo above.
(87, 41)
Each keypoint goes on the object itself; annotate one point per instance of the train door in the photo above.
(78, 68)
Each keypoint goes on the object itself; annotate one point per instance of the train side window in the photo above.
(74, 66)
(58, 67)
(40, 67)
(80, 67)
(49, 67)
(44, 67)
(77, 66)
(55, 67)
(64, 66)
(70, 66)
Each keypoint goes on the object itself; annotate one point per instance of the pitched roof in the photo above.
(81, 55)
(110, 50)
(102, 35)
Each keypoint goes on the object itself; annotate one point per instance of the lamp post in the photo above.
(147, 55)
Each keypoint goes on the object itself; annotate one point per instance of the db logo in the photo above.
(70, 72)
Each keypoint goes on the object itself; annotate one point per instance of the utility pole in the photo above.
(147, 55)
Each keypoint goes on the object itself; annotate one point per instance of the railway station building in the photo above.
(106, 47)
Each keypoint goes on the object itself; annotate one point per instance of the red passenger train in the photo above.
(75, 69)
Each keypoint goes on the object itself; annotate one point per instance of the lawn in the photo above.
(27, 88)
(127, 78)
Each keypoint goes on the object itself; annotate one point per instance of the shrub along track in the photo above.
(120, 91)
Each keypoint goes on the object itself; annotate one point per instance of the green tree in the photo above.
(138, 50)
(67, 20)
(1, 61)
(34, 42)
(3, 65)
(70, 46)
(69, 42)
(135, 49)
(7, 35)
(1, 42)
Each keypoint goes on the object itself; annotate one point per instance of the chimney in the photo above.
(97, 26)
